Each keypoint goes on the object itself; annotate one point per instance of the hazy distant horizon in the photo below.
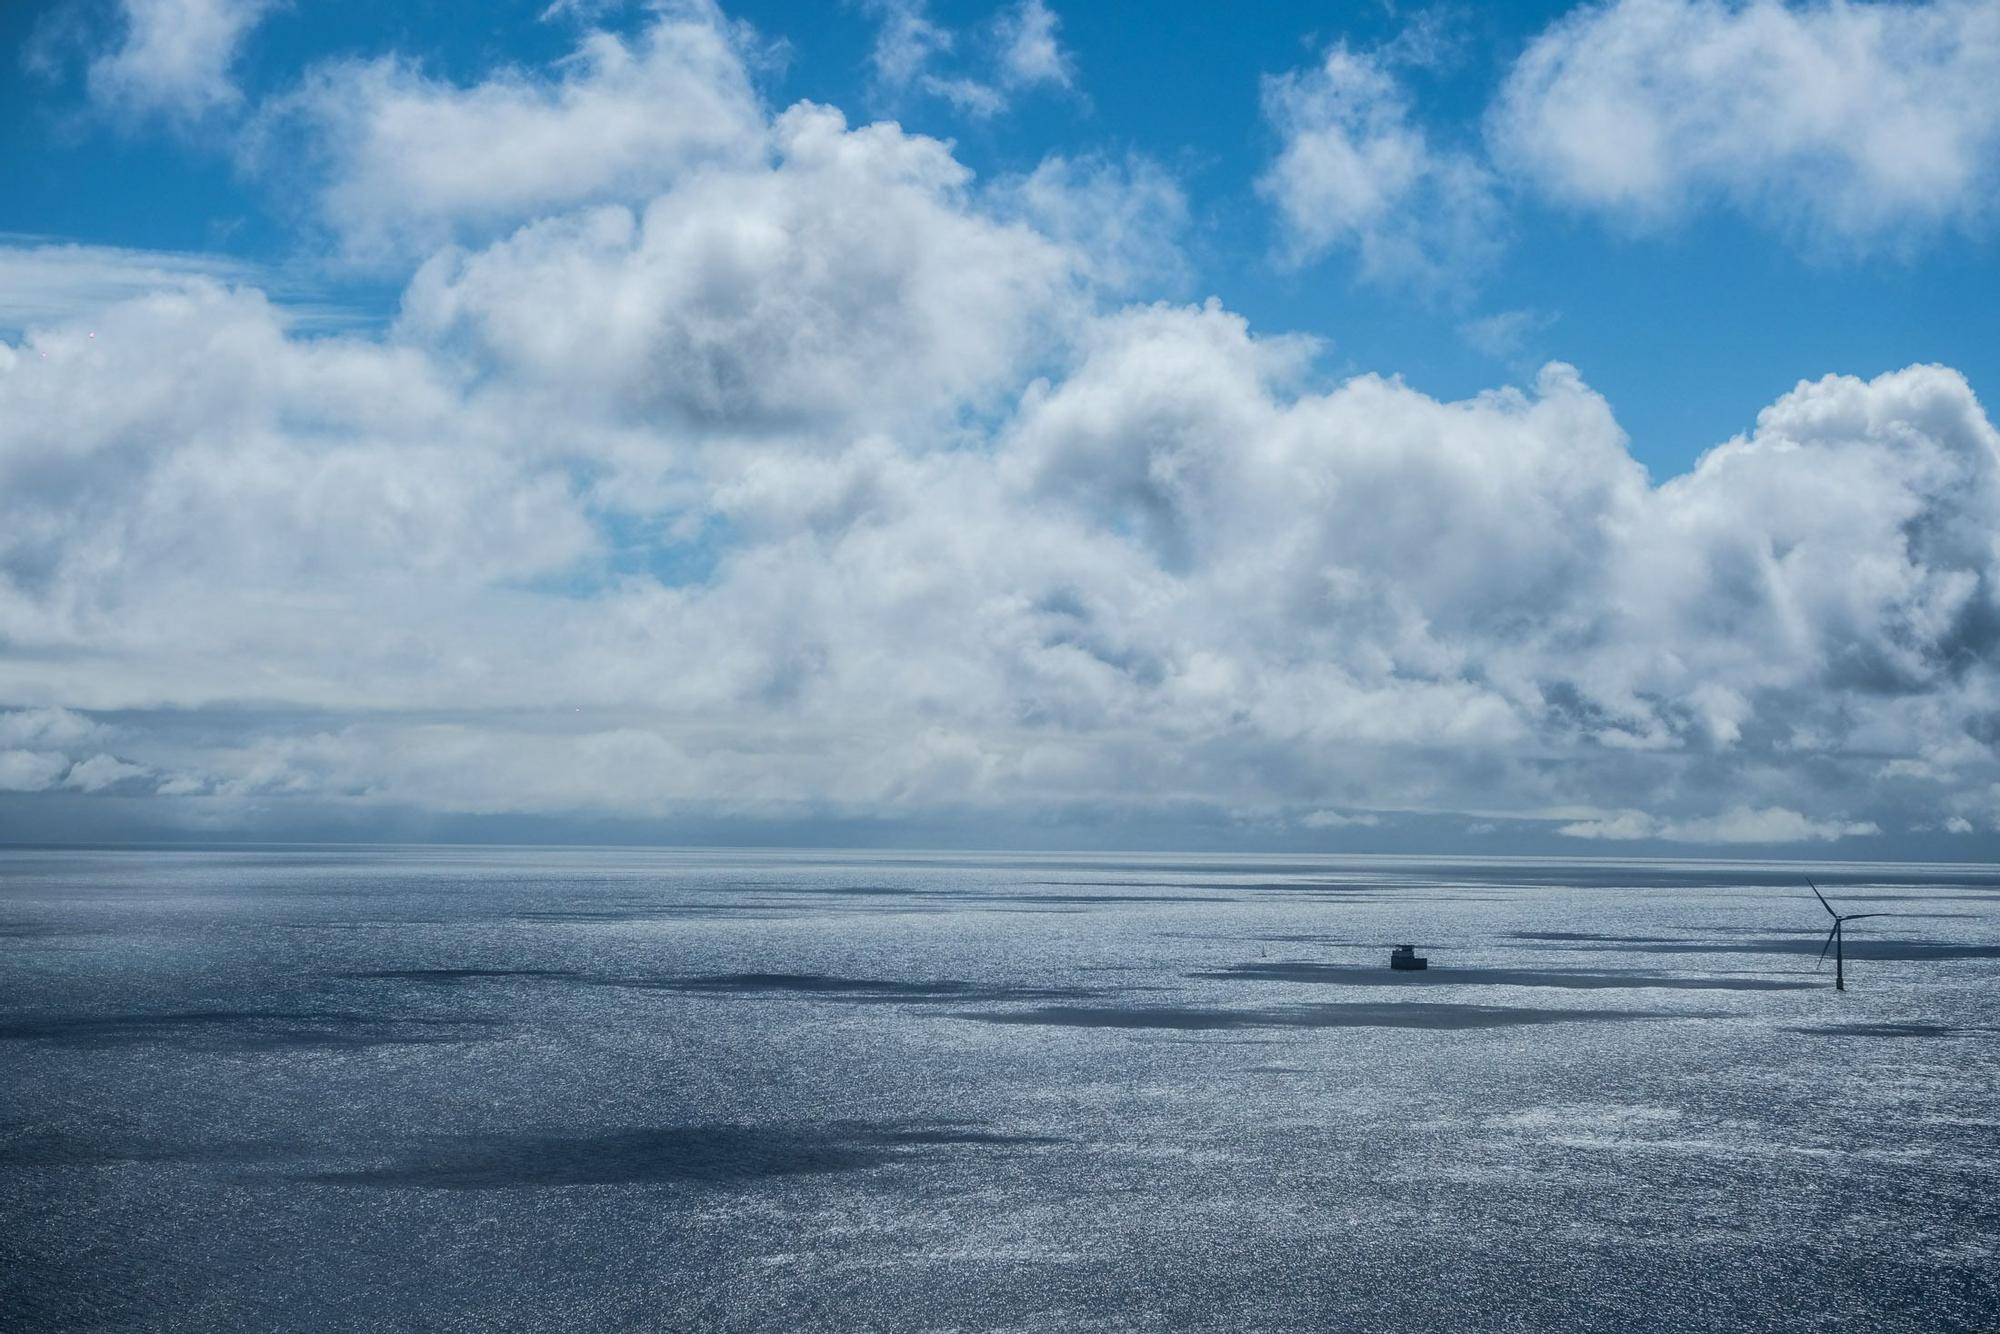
(808, 838)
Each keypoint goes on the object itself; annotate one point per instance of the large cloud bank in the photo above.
(801, 472)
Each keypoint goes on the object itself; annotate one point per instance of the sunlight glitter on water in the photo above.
(497, 1089)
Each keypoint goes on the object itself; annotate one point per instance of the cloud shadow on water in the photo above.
(1596, 937)
(1885, 1030)
(1360, 975)
(1390, 1014)
(860, 989)
(245, 1030)
(30, 930)
(822, 986)
(639, 915)
(664, 1155)
(1858, 946)
(445, 977)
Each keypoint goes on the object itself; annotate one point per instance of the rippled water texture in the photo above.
(506, 1090)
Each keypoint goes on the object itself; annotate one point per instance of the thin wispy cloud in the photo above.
(1356, 170)
(49, 282)
(174, 57)
(1031, 49)
(979, 73)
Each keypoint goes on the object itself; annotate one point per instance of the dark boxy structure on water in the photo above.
(1404, 959)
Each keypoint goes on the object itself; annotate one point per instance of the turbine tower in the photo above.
(1834, 938)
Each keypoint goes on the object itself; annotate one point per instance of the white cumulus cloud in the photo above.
(1338, 820)
(1851, 124)
(1356, 169)
(405, 162)
(30, 770)
(174, 56)
(1022, 52)
(1031, 53)
(1771, 824)
(766, 299)
(39, 749)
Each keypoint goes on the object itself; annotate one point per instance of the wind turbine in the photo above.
(1834, 937)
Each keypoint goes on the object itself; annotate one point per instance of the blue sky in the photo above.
(1002, 422)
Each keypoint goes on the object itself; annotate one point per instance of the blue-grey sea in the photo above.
(401, 1089)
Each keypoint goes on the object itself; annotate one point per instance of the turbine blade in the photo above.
(1822, 899)
(1829, 942)
(1857, 916)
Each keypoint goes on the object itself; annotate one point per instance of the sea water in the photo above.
(500, 1089)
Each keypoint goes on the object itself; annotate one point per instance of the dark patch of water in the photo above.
(858, 988)
(1856, 947)
(455, 976)
(1358, 975)
(1883, 1030)
(242, 1029)
(658, 1155)
(1407, 1014)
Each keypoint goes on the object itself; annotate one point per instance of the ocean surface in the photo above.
(498, 1089)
